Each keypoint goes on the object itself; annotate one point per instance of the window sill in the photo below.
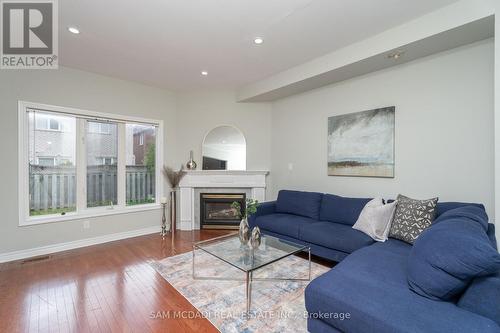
(90, 213)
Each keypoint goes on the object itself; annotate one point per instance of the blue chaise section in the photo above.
(371, 285)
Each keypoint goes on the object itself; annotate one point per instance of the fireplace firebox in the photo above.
(216, 211)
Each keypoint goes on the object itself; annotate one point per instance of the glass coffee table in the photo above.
(229, 249)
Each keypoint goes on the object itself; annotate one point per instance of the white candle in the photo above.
(163, 200)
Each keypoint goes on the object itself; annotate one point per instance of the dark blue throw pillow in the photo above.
(448, 255)
(299, 203)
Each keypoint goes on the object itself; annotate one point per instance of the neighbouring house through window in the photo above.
(55, 175)
(48, 122)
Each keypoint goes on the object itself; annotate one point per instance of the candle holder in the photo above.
(163, 220)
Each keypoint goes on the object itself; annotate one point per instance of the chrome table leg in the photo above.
(249, 290)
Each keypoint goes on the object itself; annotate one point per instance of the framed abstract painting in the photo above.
(361, 144)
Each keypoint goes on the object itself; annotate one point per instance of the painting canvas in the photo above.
(362, 144)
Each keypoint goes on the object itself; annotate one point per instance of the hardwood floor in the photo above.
(103, 288)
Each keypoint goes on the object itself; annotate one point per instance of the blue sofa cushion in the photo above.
(483, 297)
(443, 207)
(473, 212)
(341, 210)
(371, 285)
(299, 203)
(334, 236)
(284, 224)
(448, 255)
(264, 208)
(491, 235)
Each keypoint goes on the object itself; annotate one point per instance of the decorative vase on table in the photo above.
(255, 239)
(244, 231)
(191, 164)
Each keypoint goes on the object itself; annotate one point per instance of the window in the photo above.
(47, 121)
(54, 124)
(141, 164)
(46, 161)
(51, 184)
(99, 128)
(102, 184)
(77, 163)
(106, 160)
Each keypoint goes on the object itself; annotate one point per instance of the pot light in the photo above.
(74, 30)
(204, 73)
(258, 40)
(396, 55)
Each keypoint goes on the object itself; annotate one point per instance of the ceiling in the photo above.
(167, 43)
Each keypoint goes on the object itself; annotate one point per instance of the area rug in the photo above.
(277, 306)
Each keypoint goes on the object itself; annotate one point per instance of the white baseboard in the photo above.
(185, 225)
(43, 250)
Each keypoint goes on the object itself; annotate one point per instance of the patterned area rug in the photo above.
(277, 306)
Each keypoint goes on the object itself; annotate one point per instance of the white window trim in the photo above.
(82, 212)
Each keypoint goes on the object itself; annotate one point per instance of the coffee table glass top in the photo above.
(229, 249)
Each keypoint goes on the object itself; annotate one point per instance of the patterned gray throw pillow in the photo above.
(412, 217)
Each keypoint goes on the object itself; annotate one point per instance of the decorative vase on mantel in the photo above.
(191, 164)
(244, 231)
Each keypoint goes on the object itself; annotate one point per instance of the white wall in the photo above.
(444, 129)
(199, 112)
(72, 88)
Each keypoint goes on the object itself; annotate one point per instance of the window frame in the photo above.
(82, 212)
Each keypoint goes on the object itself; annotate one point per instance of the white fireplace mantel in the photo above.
(253, 182)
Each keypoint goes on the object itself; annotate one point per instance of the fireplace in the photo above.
(216, 211)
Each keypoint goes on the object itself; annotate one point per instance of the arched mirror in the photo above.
(224, 148)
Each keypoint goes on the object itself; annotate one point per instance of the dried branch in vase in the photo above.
(173, 177)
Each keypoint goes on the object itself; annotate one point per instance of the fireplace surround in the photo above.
(195, 182)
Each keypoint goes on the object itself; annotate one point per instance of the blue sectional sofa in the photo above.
(370, 283)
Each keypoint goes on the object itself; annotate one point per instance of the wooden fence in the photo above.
(54, 188)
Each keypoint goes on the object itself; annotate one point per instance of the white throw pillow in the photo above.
(375, 219)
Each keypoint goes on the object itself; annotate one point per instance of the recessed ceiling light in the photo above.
(396, 55)
(204, 73)
(258, 40)
(74, 30)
